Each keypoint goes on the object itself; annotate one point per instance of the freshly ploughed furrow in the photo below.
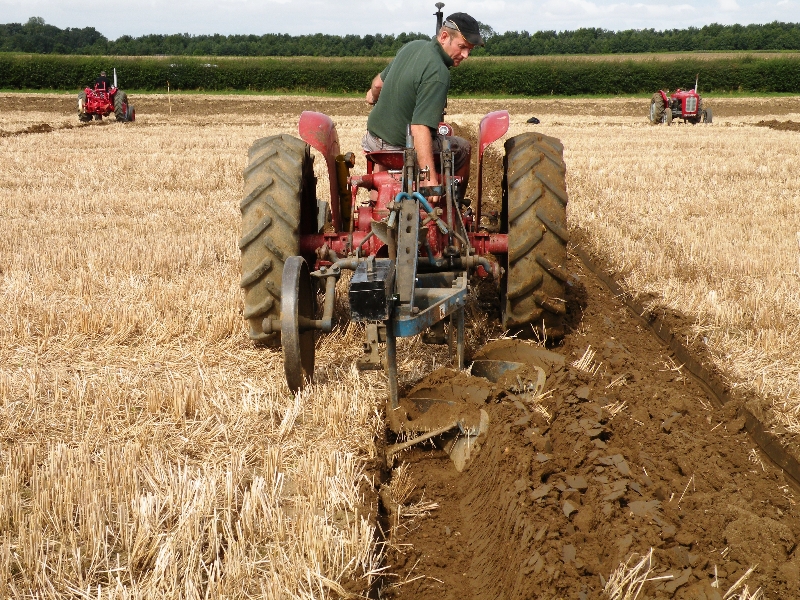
(634, 455)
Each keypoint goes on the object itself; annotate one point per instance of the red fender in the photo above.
(664, 97)
(319, 132)
(493, 126)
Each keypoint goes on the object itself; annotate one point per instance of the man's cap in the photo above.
(102, 72)
(467, 26)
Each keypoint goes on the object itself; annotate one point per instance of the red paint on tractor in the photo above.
(493, 126)
(688, 101)
(383, 186)
(319, 132)
(100, 101)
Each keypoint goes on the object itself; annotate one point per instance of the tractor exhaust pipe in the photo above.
(696, 81)
(439, 16)
(115, 77)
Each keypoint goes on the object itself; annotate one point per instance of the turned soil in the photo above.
(780, 125)
(624, 454)
(634, 455)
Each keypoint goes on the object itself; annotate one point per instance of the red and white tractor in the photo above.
(413, 248)
(682, 104)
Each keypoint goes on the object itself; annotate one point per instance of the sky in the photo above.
(114, 18)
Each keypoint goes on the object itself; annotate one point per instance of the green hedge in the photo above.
(477, 76)
(573, 77)
(73, 72)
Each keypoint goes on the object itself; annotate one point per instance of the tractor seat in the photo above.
(391, 160)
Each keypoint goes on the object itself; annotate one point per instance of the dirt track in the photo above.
(194, 105)
(634, 457)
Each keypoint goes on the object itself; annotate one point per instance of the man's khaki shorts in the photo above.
(459, 146)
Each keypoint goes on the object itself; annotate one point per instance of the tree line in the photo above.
(37, 37)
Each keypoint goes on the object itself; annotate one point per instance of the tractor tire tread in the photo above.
(255, 192)
(253, 275)
(257, 161)
(278, 182)
(251, 235)
(524, 206)
(534, 217)
(259, 310)
(556, 270)
(555, 306)
(527, 286)
(522, 170)
(558, 191)
(657, 109)
(121, 106)
(558, 229)
(82, 116)
(527, 242)
(549, 155)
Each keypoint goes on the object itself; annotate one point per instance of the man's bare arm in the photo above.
(423, 144)
(375, 89)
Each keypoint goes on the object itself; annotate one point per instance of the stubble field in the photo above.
(149, 449)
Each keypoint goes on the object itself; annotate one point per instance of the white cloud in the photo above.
(728, 5)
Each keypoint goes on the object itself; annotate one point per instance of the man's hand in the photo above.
(423, 144)
(374, 90)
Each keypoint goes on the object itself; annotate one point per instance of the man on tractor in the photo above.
(412, 90)
(102, 83)
(101, 88)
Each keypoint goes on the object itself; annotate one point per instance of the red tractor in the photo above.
(412, 257)
(682, 104)
(412, 247)
(99, 102)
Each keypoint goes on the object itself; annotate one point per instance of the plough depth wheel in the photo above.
(297, 310)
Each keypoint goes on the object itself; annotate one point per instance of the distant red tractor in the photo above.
(682, 104)
(99, 102)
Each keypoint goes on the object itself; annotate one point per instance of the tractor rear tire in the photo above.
(121, 106)
(535, 218)
(656, 109)
(279, 205)
(82, 116)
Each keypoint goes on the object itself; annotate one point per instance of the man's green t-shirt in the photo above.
(415, 86)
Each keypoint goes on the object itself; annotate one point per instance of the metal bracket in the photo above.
(271, 324)
(407, 251)
(371, 359)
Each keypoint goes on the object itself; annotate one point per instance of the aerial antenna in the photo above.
(439, 16)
